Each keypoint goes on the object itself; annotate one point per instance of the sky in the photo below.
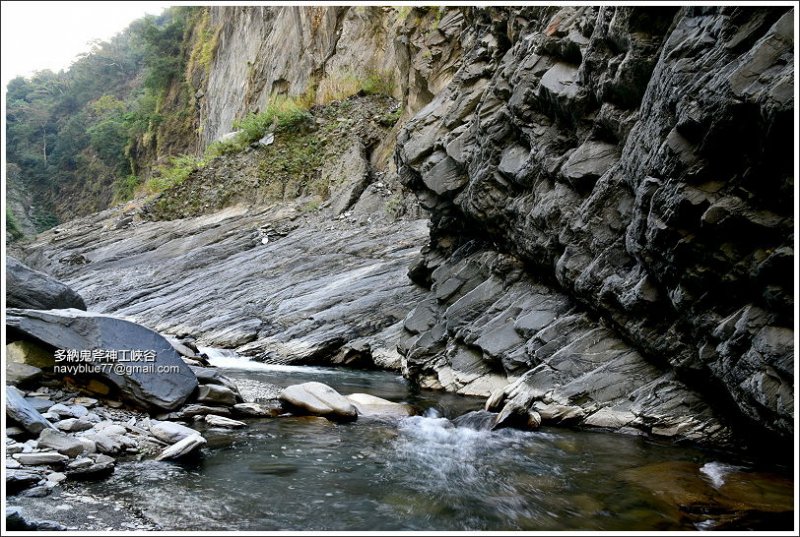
(48, 35)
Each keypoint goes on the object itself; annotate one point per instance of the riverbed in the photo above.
(421, 473)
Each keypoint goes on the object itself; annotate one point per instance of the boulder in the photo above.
(94, 466)
(42, 457)
(140, 384)
(216, 395)
(256, 410)
(369, 405)
(227, 423)
(74, 425)
(209, 375)
(68, 411)
(318, 399)
(182, 448)
(28, 352)
(19, 479)
(170, 432)
(21, 374)
(66, 445)
(21, 411)
(28, 288)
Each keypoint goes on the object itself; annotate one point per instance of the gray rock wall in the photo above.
(637, 161)
(268, 51)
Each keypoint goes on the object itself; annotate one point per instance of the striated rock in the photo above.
(617, 179)
(20, 479)
(21, 411)
(318, 399)
(28, 288)
(74, 329)
(182, 448)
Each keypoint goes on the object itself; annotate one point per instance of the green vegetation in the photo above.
(341, 85)
(12, 227)
(174, 173)
(81, 134)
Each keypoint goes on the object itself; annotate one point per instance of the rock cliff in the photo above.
(611, 171)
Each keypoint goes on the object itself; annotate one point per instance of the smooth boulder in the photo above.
(182, 448)
(319, 399)
(140, 383)
(370, 405)
(28, 288)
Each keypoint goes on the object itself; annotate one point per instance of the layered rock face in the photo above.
(611, 199)
(264, 52)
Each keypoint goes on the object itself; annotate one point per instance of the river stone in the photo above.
(75, 329)
(28, 288)
(210, 375)
(41, 405)
(180, 348)
(19, 479)
(64, 444)
(104, 443)
(20, 374)
(68, 411)
(86, 402)
(170, 432)
(214, 394)
(45, 457)
(319, 399)
(369, 405)
(73, 425)
(21, 411)
(182, 448)
(256, 409)
(227, 423)
(98, 467)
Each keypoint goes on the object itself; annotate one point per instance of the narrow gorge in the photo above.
(563, 237)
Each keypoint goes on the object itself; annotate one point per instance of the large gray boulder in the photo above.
(150, 387)
(28, 288)
(21, 411)
(319, 399)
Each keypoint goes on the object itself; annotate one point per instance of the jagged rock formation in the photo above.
(637, 164)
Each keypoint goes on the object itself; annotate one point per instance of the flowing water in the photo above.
(422, 473)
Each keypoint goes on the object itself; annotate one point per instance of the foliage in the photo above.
(282, 114)
(77, 127)
(174, 173)
(343, 84)
(12, 227)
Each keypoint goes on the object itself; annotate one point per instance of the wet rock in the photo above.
(318, 399)
(28, 288)
(256, 410)
(93, 466)
(226, 423)
(369, 405)
(45, 457)
(16, 521)
(92, 331)
(64, 444)
(192, 410)
(216, 395)
(479, 420)
(273, 468)
(21, 411)
(182, 448)
(171, 432)
(21, 374)
(20, 479)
